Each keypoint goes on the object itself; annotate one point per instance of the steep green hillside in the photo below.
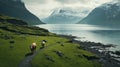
(58, 52)
(15, 40)
(68, 55)
(11, 20)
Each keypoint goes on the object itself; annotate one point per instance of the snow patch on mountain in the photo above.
(66, 15)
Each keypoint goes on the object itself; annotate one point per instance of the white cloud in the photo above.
(35, 1)
(42, 8)
(69, 1)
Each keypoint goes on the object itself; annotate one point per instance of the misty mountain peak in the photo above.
(106, 14)
(66, 15)
(110, 5)
(70, 12)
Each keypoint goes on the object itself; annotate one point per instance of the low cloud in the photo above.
(43, 8)
(73, 1)
(35, 1)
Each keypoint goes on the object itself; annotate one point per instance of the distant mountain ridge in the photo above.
(17, 9)
(63, 16)
(106, 14)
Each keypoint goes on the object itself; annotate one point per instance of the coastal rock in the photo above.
(91, 57)
(117, 52)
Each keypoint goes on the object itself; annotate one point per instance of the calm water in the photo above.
(86, 32)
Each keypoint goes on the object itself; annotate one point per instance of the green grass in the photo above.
(6, 17)
(11, 57)
(24, 36)
(69, 50)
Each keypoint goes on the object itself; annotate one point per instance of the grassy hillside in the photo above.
(68, 55)
(12, 20)
(16, 39)
(19, 27)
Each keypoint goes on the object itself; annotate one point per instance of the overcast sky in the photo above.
(43, 8)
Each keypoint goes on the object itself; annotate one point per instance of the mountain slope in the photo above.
(17, 9)
(106, 14)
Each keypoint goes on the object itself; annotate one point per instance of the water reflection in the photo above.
(87, 32)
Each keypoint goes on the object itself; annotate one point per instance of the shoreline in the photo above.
(106, 57)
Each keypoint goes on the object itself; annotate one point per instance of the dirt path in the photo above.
(27, 61)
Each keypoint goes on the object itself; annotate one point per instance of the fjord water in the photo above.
(84, 32)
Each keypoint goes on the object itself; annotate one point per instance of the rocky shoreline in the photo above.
(106, 57)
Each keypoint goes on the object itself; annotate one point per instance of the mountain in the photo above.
(17, 9)
(106, 14)
(64, 16)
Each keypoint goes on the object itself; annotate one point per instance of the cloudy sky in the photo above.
(43, 8)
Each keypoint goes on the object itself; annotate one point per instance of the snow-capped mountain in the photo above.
(106, 14)
(65, 16)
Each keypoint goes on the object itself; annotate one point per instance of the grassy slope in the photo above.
(11, 57)
(73, 57)
(23, 36)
